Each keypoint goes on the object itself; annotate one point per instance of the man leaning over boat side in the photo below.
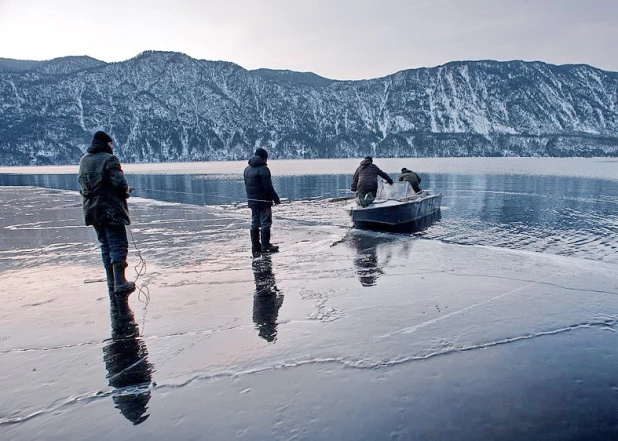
(365, 181)
(411, 177)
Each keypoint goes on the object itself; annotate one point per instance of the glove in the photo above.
(277, 201)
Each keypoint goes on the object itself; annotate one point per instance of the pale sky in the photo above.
(339, 39)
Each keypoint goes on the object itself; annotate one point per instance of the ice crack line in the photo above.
(206, 332)
(381, 364)
(68, 402)
(346, 363)
(489, 276)
(50, 348)
(411, 329)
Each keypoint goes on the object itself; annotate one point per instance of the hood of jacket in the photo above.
(365, 162)
(97, 148)
(257, 161)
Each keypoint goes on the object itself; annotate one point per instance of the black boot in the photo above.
(110, 278)
(268, 247)
(255, 243)
(121, 285)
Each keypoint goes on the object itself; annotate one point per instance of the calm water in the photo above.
(542, 206)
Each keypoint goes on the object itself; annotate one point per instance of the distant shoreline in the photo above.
(595, 168)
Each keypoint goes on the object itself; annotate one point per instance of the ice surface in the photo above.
(344, 334)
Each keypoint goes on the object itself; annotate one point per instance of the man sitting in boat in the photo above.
(412, 178)
(365, 182)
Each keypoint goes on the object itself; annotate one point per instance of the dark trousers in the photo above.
(261, 218)
(114, 243)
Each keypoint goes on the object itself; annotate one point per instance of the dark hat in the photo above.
(368, 158)
(261, 153)
(403, 170)
(101, 138)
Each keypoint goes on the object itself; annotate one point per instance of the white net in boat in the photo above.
(399, 190)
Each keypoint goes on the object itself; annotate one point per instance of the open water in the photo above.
(558, 206)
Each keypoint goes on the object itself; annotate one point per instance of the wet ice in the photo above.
(344, 333)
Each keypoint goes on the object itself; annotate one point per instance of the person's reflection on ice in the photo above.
(266, 300)
(126, 359)
(366, 259)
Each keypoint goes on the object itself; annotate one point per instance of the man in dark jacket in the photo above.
(260, 195)
(412, 178)
(104, 193)
(365, 182)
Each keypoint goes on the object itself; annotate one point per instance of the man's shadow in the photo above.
(126, 360)
(266, 299)
(366, 259)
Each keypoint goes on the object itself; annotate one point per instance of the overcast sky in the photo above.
(340, 39)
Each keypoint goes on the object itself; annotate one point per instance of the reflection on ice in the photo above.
(366, 259)
(126, 361)
(267, 298)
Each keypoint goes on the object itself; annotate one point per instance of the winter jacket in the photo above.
(366, 178)
(412, 178)
(259, 185)
(104, 188)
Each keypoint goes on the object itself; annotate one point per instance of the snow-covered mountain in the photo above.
(165, 106)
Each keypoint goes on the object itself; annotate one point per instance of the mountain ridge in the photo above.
(166, 106)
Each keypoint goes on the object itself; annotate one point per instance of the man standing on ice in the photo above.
(260, 196)
(104, 193)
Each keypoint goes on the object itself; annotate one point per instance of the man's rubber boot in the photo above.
(256, 247)
(121, 285)
(365, 200)
(268, 247)
(110, 278)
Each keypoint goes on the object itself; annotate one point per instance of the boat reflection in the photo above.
(266, 299)
(374, 252)
(126, 360)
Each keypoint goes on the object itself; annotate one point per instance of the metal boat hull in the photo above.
(397, 216)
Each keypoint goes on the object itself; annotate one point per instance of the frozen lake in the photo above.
(497, 322)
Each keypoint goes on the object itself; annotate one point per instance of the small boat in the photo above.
(397, 208)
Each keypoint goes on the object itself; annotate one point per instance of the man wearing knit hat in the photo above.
(260, 196)
(104, 193)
